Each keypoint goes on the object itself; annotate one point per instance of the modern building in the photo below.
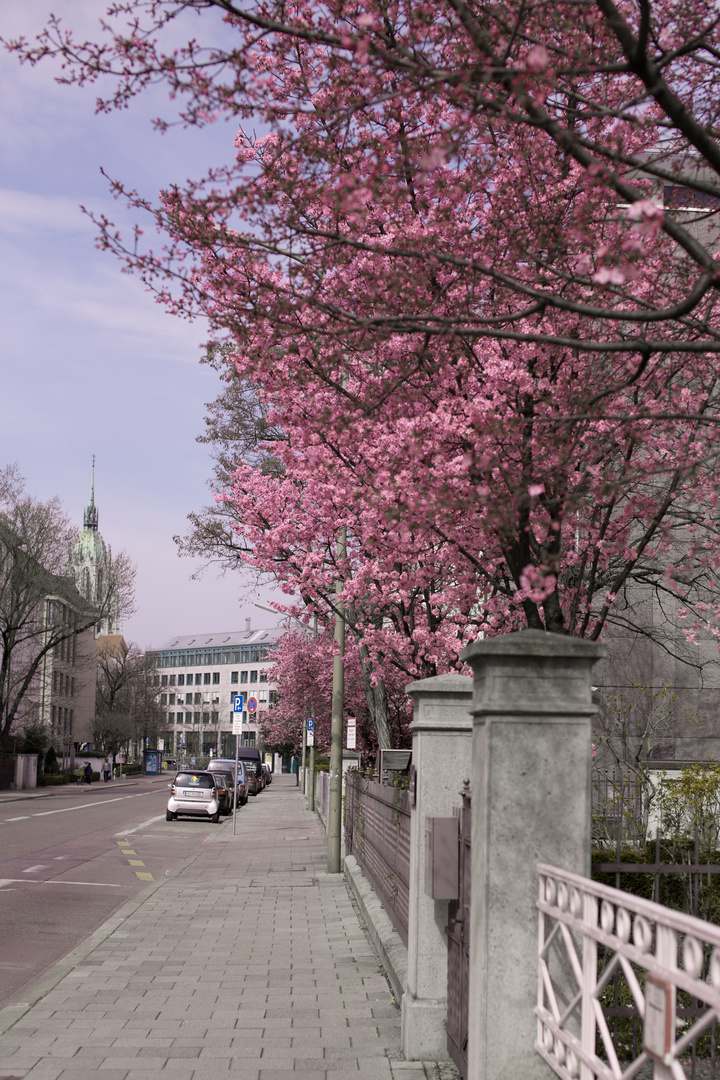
(200, 675)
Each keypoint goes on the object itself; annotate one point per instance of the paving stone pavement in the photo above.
(251, 960)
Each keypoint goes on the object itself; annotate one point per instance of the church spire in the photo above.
(90, 517)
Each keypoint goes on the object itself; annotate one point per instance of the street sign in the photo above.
(311, 724)
(252, 704)
(311, 738)
(351, 730)
(237, 723)
(238, 703)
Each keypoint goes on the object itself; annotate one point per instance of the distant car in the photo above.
(267, 772)
(170, 764)
(194, 793)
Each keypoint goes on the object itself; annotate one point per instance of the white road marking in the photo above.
(150, 821)
(34, 869)
(23, 818)
(85, 806)
(54, 881)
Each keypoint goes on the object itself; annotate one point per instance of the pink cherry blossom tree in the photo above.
(468, 269)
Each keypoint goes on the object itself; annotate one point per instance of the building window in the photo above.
(253, 676)
(215, 717)
(273, 697)
(171, 699)
(262, 695)
(156, 680)
(181, 680)
(216, 676)
(172, 680)
(206, 718)
(164, 680)
(171, 718)
(206, 678)
(233, 676)
(198, 699)
(243, 676)
(263, 676)
(198, 678)
(163, 699)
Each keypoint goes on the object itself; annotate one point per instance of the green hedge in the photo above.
(131, 770)
(51, 779)
(674, 887)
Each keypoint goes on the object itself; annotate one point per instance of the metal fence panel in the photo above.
(665, 1024)
(458, 938)
(377, 833)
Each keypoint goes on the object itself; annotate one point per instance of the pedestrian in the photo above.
(106, 770)
(88, 772)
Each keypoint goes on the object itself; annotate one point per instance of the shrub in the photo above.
(51, 779)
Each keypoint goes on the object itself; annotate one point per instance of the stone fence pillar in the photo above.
(442, 758)
(532, 709)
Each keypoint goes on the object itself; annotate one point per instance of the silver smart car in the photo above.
(193, 793)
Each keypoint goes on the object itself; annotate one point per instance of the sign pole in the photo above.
(237, 755)
(237, 731)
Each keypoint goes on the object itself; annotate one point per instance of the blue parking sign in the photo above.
(238, 703)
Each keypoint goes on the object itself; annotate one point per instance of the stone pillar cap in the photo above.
(452, 683)
(532, 643)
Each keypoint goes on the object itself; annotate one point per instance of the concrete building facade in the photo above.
(199, 677)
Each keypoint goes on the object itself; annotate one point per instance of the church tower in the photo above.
(90, 563)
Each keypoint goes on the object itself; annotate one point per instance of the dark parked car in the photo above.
(267, 773)
(240, 788)
(226, 765)
(248, 769)
(225, 788)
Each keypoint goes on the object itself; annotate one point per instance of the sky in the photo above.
(89, 363)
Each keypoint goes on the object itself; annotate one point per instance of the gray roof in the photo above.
(228, 640)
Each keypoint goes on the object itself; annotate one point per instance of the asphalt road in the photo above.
(69, 860)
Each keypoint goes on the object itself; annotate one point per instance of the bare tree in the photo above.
(41, 611)
(127, 702)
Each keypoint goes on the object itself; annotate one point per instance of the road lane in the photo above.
(68, 862)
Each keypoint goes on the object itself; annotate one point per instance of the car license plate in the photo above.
(189, 794)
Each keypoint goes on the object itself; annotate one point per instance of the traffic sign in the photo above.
(311, 724)
(238, 703)
(252, 704)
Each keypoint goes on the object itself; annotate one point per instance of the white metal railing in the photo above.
(659, 953)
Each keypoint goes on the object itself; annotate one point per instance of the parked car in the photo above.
(240, 787)
(248, 770)
(267, 773)
(252, 779)
(193, 793)
(226, 791)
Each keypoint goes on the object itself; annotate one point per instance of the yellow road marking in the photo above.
(144, 877)
(136, 862)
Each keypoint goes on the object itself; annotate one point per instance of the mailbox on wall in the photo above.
(441, 858)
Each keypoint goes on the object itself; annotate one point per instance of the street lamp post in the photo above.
(334, 823)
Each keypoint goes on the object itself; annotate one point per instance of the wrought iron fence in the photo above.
(666, 1024)
(458, 938)
(377, 833)
(322, 793)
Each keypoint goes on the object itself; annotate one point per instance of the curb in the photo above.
(385, 938)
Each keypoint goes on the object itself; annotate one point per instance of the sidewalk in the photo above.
(249, 960)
